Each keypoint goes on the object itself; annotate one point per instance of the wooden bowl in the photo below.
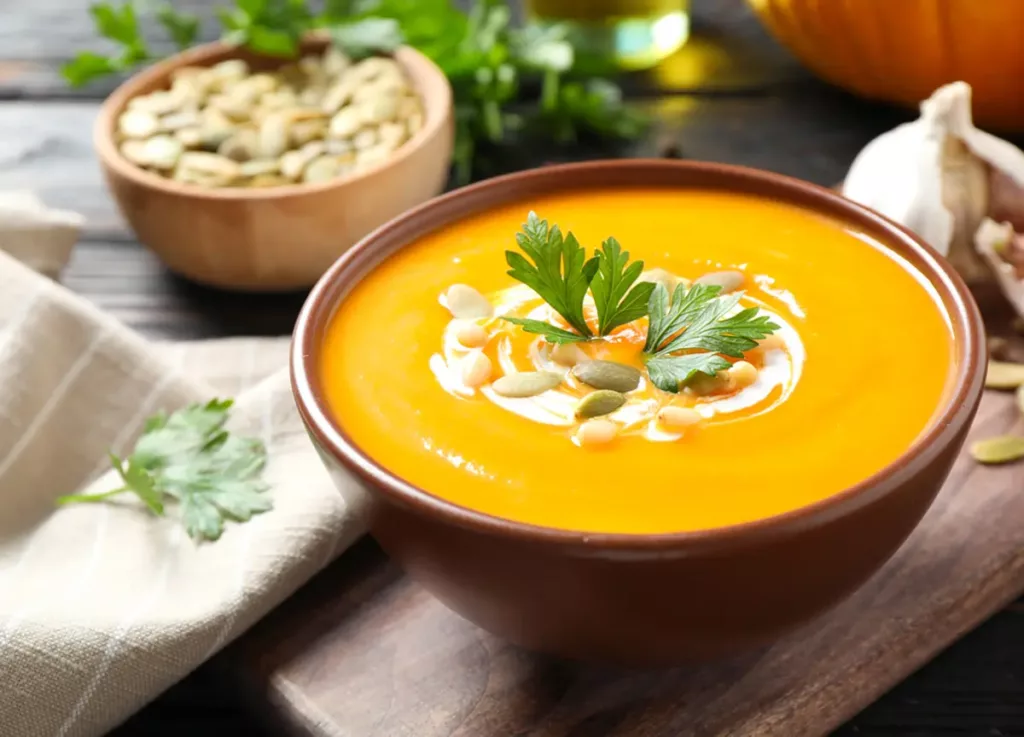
(646, 599)
(276, 238)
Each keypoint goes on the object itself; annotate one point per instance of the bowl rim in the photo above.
(945, 425)
(437, 112)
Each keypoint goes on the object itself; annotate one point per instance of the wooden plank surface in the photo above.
(368, 652)
(746, 102)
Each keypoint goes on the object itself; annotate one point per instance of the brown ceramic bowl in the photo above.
(282, 237)
(645, 599)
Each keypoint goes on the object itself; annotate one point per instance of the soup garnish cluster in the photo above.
(618, 349)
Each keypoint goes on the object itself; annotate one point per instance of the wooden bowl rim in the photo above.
(437, 103)
(936, 438)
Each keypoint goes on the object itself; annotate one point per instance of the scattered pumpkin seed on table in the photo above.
(1003, 375)
(309, 121)
(1001, 449)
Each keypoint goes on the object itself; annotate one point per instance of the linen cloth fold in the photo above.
(103, 606)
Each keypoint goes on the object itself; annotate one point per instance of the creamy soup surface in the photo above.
(859, 366)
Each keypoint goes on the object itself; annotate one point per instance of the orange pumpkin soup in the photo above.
(852, 368)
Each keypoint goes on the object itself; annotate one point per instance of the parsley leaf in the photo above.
(551, 333)
(616, 303)
(181, 27)
(561, 273)
(695, 320)
(366, 37)
(670, 372)
(189, 457)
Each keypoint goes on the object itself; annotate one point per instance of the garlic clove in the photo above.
(957, 187)
(998, 243)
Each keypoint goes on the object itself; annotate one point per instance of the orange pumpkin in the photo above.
(902, 50)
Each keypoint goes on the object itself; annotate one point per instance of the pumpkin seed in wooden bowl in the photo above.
(246, 172)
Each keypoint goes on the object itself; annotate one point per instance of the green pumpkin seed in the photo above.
(601, 402)
(1001, 449)
(607, 375)
(526, 383)
(1002, 375)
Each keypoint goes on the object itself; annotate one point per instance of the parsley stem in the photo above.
(549, 90)
(71, 498)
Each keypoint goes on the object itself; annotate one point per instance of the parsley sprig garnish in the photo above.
(562, 275)
(697, 321)
(188, 457)
(688, 332)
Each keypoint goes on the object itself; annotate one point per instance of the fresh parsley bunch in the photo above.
(488, 62)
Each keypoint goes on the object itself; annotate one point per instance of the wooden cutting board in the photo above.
(365, 652)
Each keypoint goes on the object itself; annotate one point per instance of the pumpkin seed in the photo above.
(157, 103)
(177, 121)
(135, 151)
(241, 146)
(729, 281)
(345, 124)
(306, 131)
(320, 169)
(163, 152)
(373, 155)
(465, 302)
(391, 135)
(267, 180)
(259, 167)
(364, 139)
(211, 164)
(338, 95)
(607, 375)
(246, 115)
(138, 124)
(1001, 449)
(601, 402)
(230, 70)
(597, 432)
(1003, 375)
(189, 137)
(1020, 398)
(526, 383)
(335, 61)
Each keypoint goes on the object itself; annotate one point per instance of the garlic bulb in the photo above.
(949, 182)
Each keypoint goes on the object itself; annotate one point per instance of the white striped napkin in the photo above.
(104, 606)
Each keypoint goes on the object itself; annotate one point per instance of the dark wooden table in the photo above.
(732, 95)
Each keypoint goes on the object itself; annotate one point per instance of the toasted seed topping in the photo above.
(526, 383)
(607, 375)
(601, 402)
